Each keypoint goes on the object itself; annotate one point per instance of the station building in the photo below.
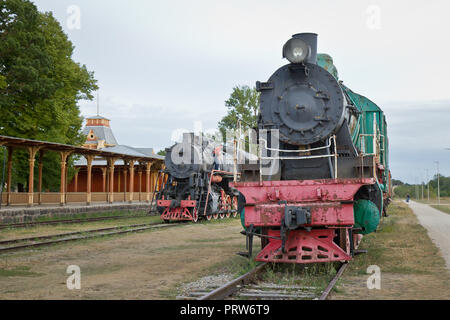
(129, 175)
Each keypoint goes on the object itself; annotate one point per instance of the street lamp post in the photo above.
(421, 184)
(416, 185)
(438, 191)
(428, 185)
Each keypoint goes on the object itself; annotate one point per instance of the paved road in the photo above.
(438, 225)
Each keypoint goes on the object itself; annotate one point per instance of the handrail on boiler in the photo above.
(331, 140)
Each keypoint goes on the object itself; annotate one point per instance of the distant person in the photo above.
(217, 157)
(407, 198)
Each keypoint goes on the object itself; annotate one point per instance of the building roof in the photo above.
(98, 117)
(102, 133)
(123, 149)
(82, 162)
(15, 142)
(147, 151)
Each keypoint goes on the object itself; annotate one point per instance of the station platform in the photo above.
(9, 214)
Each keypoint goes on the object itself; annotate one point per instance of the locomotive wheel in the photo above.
(195, 215)
(228, 214)
(234, 206)
(209, 217)
(216, 216)
(223, 203)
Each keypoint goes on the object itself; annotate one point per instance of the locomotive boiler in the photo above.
(197, 182)
(323, 178)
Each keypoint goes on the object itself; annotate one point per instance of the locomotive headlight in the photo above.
(296, 50)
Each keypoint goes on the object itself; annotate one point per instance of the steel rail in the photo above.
(68, 221)
(332, 283)
(235, 285)
(59, 235)
(101, 233)
(232, 286)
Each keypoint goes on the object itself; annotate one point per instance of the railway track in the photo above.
(39, 241)
(248, 286)
(67, 221)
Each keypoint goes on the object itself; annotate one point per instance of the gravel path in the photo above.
(438, 225)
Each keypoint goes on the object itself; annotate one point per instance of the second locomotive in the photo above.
(197, 179)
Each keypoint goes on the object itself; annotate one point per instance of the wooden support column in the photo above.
(89, 159)
(9, 176)
(4, 155)
(140, 182)
(131, 187)
(41, 165)
(107, 179)
(75, 187)
(62, 189)
(148, 167)
(66, 179)
(104, 179)
(163, 178)
(111, 162)
(31, 160)
(125, 182)
(118, 180)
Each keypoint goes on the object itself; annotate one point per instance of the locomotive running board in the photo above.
(181, 213)
(177, 214)
(303, 246)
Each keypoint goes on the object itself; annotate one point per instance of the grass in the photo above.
(433, 200)
(13, 233)
(55, 246)
(211, 240)
(444, 205)
(214, 221)
(79, 242)
(87, 215)
(124, 256)
(315, 275)
(78, 216)
(21, 271)
(443, 208)
(311, 275)
(410, 264)
(400, 245)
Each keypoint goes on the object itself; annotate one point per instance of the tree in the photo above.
(444, 185)
(444, 188)
(162, 152)
(2, 82)
(40, 84)
(243, 104)
(397, 182)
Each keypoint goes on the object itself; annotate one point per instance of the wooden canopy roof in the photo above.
(58, 147)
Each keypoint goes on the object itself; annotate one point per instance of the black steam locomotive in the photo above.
(197, 182)
(323, 178)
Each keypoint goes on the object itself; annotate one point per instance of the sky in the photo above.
(164, 65)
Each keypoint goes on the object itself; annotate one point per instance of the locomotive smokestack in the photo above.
(311, 40)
